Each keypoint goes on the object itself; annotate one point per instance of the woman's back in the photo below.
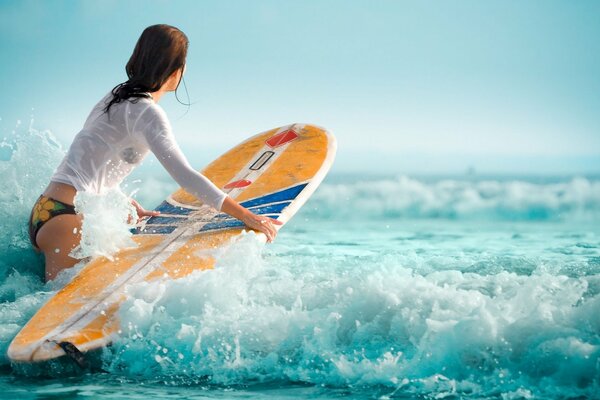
(110, 144)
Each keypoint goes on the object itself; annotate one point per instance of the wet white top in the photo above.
(106, 150)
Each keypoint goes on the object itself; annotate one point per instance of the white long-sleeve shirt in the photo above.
(106, 150)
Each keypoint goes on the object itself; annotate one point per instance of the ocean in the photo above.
(382, 286)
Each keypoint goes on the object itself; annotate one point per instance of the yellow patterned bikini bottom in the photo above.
(43, 210)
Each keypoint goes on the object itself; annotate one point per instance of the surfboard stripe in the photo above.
(222, 224)
(229, 223)
(273, 207)
(155, 230)
(282, 195)
(282, 138)
(167, 208)
(162, 220)
(220, 221)
(271, 203)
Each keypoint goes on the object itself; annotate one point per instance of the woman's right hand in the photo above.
(259, 223)
(262, 224)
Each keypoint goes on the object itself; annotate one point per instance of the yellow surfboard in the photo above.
(272, 173)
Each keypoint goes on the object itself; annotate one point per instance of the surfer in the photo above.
(120, 130)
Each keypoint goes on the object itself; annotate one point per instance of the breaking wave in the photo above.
(405, 197)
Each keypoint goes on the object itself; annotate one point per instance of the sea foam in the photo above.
(257, 319)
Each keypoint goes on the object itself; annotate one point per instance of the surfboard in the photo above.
(272, 173)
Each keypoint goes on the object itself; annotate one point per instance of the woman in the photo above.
(119, 132)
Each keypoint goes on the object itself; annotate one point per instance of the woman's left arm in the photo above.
(162, 143)
(262, 224)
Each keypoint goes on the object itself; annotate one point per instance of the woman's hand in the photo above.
(262, 224)
(141, 212)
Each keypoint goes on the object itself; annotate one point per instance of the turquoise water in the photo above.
(380, 287)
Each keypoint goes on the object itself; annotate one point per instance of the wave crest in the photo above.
(405, 197)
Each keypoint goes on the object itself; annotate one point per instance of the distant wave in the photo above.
(405, 197)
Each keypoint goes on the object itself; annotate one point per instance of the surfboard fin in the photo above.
(74, 354)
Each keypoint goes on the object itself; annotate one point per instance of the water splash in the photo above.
(105, 228)
(255, 320)
(28, 158)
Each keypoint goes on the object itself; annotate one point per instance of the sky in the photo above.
(407, 87)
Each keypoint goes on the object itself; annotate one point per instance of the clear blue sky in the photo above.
(406, 86)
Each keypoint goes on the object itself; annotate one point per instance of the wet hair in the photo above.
(160, 51)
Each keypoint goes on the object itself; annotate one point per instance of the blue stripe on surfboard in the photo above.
(165, 220)
(259, 205)
(211, 226)
(160, 220)
(154, 230)
(268, 209)
(228, 223)
(223, 221)
(260, 210)
(167, 208)
(158, 225)
(283, 195)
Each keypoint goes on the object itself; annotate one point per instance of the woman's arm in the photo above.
(260, 223)
(167, 151)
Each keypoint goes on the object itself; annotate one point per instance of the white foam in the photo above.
(317, 320)
(105, 228)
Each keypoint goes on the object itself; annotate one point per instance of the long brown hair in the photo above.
(160, 51)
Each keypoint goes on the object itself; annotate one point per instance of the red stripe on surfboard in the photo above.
(282, 138)
(237, 184)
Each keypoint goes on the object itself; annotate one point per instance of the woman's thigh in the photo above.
(56, 238)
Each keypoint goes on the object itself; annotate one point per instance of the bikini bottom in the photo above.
(43, 210)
